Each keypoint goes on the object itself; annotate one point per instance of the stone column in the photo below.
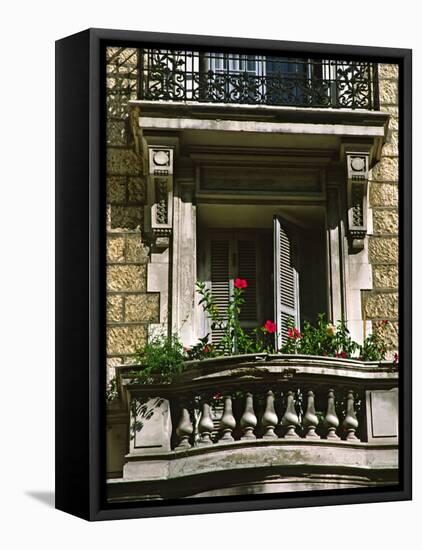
(335, 265)
(184, 274)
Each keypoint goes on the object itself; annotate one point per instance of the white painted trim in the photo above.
(164, 123)
(200, 106)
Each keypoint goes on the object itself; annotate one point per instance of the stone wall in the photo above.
(129, 307)
(382, 302)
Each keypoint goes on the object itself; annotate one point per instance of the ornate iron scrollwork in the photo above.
(187, 75)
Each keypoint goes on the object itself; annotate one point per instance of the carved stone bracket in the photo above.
(357, 182)
(159, 209)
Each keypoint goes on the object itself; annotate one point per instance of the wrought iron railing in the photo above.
(187, 75)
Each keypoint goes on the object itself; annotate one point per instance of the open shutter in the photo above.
(220, 279)
(286, 278)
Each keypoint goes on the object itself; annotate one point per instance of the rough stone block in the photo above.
(383, 194)
(143, 308)
(389, 92)
(121, 57)
(136, 190)
(393, 111)
(386, 170)
(122, 162)
(130, 278)
(116, 132)
(114, 308)
(388, 331)
(126, 217)
(385, 221)
(125, 339)
(115, 248)
(116, 189)
(391, 147)
(386, 276)
(388, 71)
(383, 250)
(381, 305)
(136, 251)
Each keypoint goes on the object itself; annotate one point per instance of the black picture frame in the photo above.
(80, 274)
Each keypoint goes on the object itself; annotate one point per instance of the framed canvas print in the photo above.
(233, 274)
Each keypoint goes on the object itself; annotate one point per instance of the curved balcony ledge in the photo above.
(258, 368)
(234, 468)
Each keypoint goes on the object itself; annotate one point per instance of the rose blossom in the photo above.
(270, 326)
(293, 333)
(331, 329)
(240, 283)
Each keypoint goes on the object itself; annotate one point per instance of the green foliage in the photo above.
(163, 358)
(235, 339)
(374, 348)
(111, 392)
(160, 360)
(328, 340)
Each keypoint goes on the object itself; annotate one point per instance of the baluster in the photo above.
(310, 420)
(227, 422)
(269, 418)
(350, 422)
(205, 425)
(331, 418)
(184, 429)
(290, 418)
(248, 421)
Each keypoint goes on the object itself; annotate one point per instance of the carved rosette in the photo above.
(159, 211)
(357, 182)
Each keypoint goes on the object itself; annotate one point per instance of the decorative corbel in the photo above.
(357, 182)
(159, 209)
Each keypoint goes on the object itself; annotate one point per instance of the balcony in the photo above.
(235, 78)
(257, 424)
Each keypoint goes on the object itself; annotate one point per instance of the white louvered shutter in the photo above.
(286, 278)
(220, 279)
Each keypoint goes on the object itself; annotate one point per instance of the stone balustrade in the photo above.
(268, 415)
(307, 414)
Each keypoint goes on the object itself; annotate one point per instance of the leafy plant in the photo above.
(234, 339)
(161, 359)
(373, 348)
(111, 392)
(329, 340)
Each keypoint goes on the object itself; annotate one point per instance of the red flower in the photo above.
(385, 322)
(293, 333)
(206, 349)
(217, 395)
(342, 354)
(240, 283)
(396, 358)
(270, 326)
